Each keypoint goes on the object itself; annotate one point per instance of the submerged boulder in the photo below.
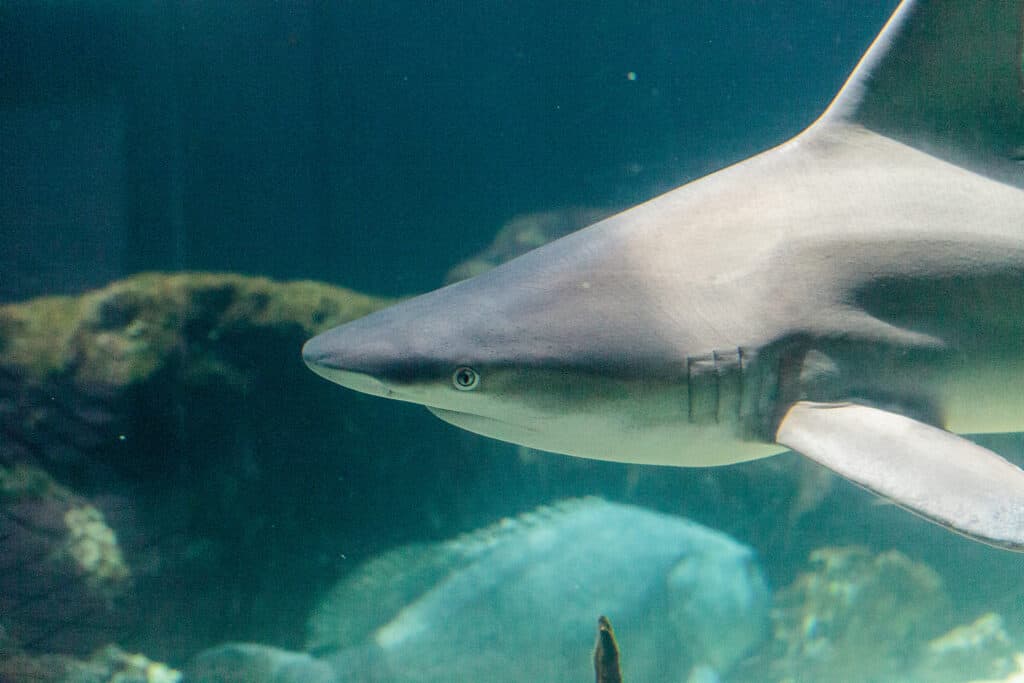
(857, 616)
(861, 617)
(125, 462)
(109, 664)
(125, 332)
(517, 602)
(88, 379)
(979, 650)
(63, 577)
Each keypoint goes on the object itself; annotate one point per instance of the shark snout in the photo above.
(332, 357)
(315, 352)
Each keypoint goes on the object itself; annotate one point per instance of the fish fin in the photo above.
(936, 474)
(945, 76)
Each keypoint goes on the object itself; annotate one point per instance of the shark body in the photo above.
(855, 294)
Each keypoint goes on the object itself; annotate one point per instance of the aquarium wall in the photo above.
(190, 191)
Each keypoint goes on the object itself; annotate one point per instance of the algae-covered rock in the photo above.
(107, 665)
(64, 576)
(75, 371)
(126, 332)
(91, 545)
(1016, 675)
(861, 617)
(981, 649)
(140, 443)
(856, 616)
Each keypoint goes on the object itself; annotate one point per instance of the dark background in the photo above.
(374, 144)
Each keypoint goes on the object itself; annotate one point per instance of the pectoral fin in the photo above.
(941, 476)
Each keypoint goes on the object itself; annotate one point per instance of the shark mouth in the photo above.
(480, 424)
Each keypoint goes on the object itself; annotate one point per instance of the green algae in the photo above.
(130, 330)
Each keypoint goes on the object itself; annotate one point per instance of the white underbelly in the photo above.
(680, 444)
(985, 400)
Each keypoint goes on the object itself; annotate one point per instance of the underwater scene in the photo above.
(311, 369)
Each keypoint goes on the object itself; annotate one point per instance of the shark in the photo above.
(855, 295)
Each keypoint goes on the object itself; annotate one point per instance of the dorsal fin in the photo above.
(945, 76)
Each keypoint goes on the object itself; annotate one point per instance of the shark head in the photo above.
(530, 352)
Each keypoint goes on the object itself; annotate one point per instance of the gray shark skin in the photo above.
(855, 294)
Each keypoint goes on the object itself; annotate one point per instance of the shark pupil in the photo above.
(465, 379)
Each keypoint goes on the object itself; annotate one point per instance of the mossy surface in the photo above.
(859, 616)
(126, 332)
(145, 421)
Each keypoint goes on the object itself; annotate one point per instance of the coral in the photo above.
(119, 422)
(92, 546)
(981, 648)
(62, 567)
(108, 665)
(1014, 676)
(74, 371)
(859, 617)
(129, 330)
(856, 616)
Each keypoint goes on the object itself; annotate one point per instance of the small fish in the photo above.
(606, 653)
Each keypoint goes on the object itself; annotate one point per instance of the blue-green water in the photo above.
(376, 144)
(174, 478)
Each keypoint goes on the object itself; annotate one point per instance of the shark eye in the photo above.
(465, 378)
